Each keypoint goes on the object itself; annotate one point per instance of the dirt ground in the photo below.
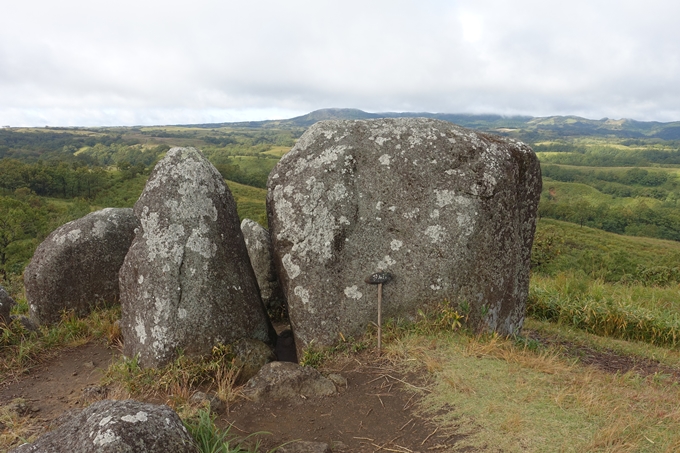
(375, 412)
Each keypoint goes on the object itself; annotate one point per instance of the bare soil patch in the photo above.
(56, 386)
(375, 412)
(606, 360)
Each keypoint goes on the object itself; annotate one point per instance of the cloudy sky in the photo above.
(87, 63)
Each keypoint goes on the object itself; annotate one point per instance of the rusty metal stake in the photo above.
(379, 278)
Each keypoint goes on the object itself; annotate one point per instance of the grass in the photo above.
(20, 350)
(211, 439)
(635, 312)
(566, 247)
(179, 379)
(497, 393)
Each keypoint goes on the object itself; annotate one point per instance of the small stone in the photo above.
(212, 400)
(302, 446)
(338, 380)
(94, 393)
(283, 380)
(89, 364)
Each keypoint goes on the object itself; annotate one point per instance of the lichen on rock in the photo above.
(448, 211)
(187, 283)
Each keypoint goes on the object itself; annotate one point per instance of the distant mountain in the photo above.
(526, 127)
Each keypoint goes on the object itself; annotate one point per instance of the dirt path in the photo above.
(374, 412)
(57, 385)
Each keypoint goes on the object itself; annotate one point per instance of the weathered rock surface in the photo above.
(117, 426)
(282, 380)
(449, 212)
(250, 356)
(258, 244)
(6, 304)
(76, 266)
(186, 282)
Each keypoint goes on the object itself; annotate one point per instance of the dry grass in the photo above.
(501, 394)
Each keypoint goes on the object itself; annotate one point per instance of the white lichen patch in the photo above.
(396, 244)
(292, 269)
(384, 159)
(378, 206)
(385, 263)
(353, 292)
(105, 438)
(105, 421)
(434, 214)
(302, 293)
(381, 140)
(436, 233)
(140, 330)
(99, 229)
(411, 214)
(140, 279)
(199, 243)
(181, 313)
(140, 416)
(392, 208)
(164, 244)
(343, 220)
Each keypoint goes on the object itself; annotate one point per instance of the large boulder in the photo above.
(187, 283)
(449, 212)
(258, 244)
(117, 426)
(6, 304)
(76, 266)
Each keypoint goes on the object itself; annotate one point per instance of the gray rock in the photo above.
(6, 304)
(449, 212)
(186, 282)
(283, 380)
(250, 356)
(338, 379)
(302, 446)
(258, 244)
(76, 266)
(25, 322)
(117, 426)
(211, 400)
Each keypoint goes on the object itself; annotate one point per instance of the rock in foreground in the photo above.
(449, 212)
(117, 426)
(187, 282)
(283, 380)
(76, 266)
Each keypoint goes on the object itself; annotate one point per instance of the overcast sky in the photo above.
(88, 63)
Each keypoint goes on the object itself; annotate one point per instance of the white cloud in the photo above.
(151, 62)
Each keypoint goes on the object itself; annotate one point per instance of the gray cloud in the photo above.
(151, 62)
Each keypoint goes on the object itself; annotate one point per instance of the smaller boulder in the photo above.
(258, 243)
(117, 426)
(302, 446)
(25, 322)
(76, 266)
(210, 400)
(283, 380)
(6, 304)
